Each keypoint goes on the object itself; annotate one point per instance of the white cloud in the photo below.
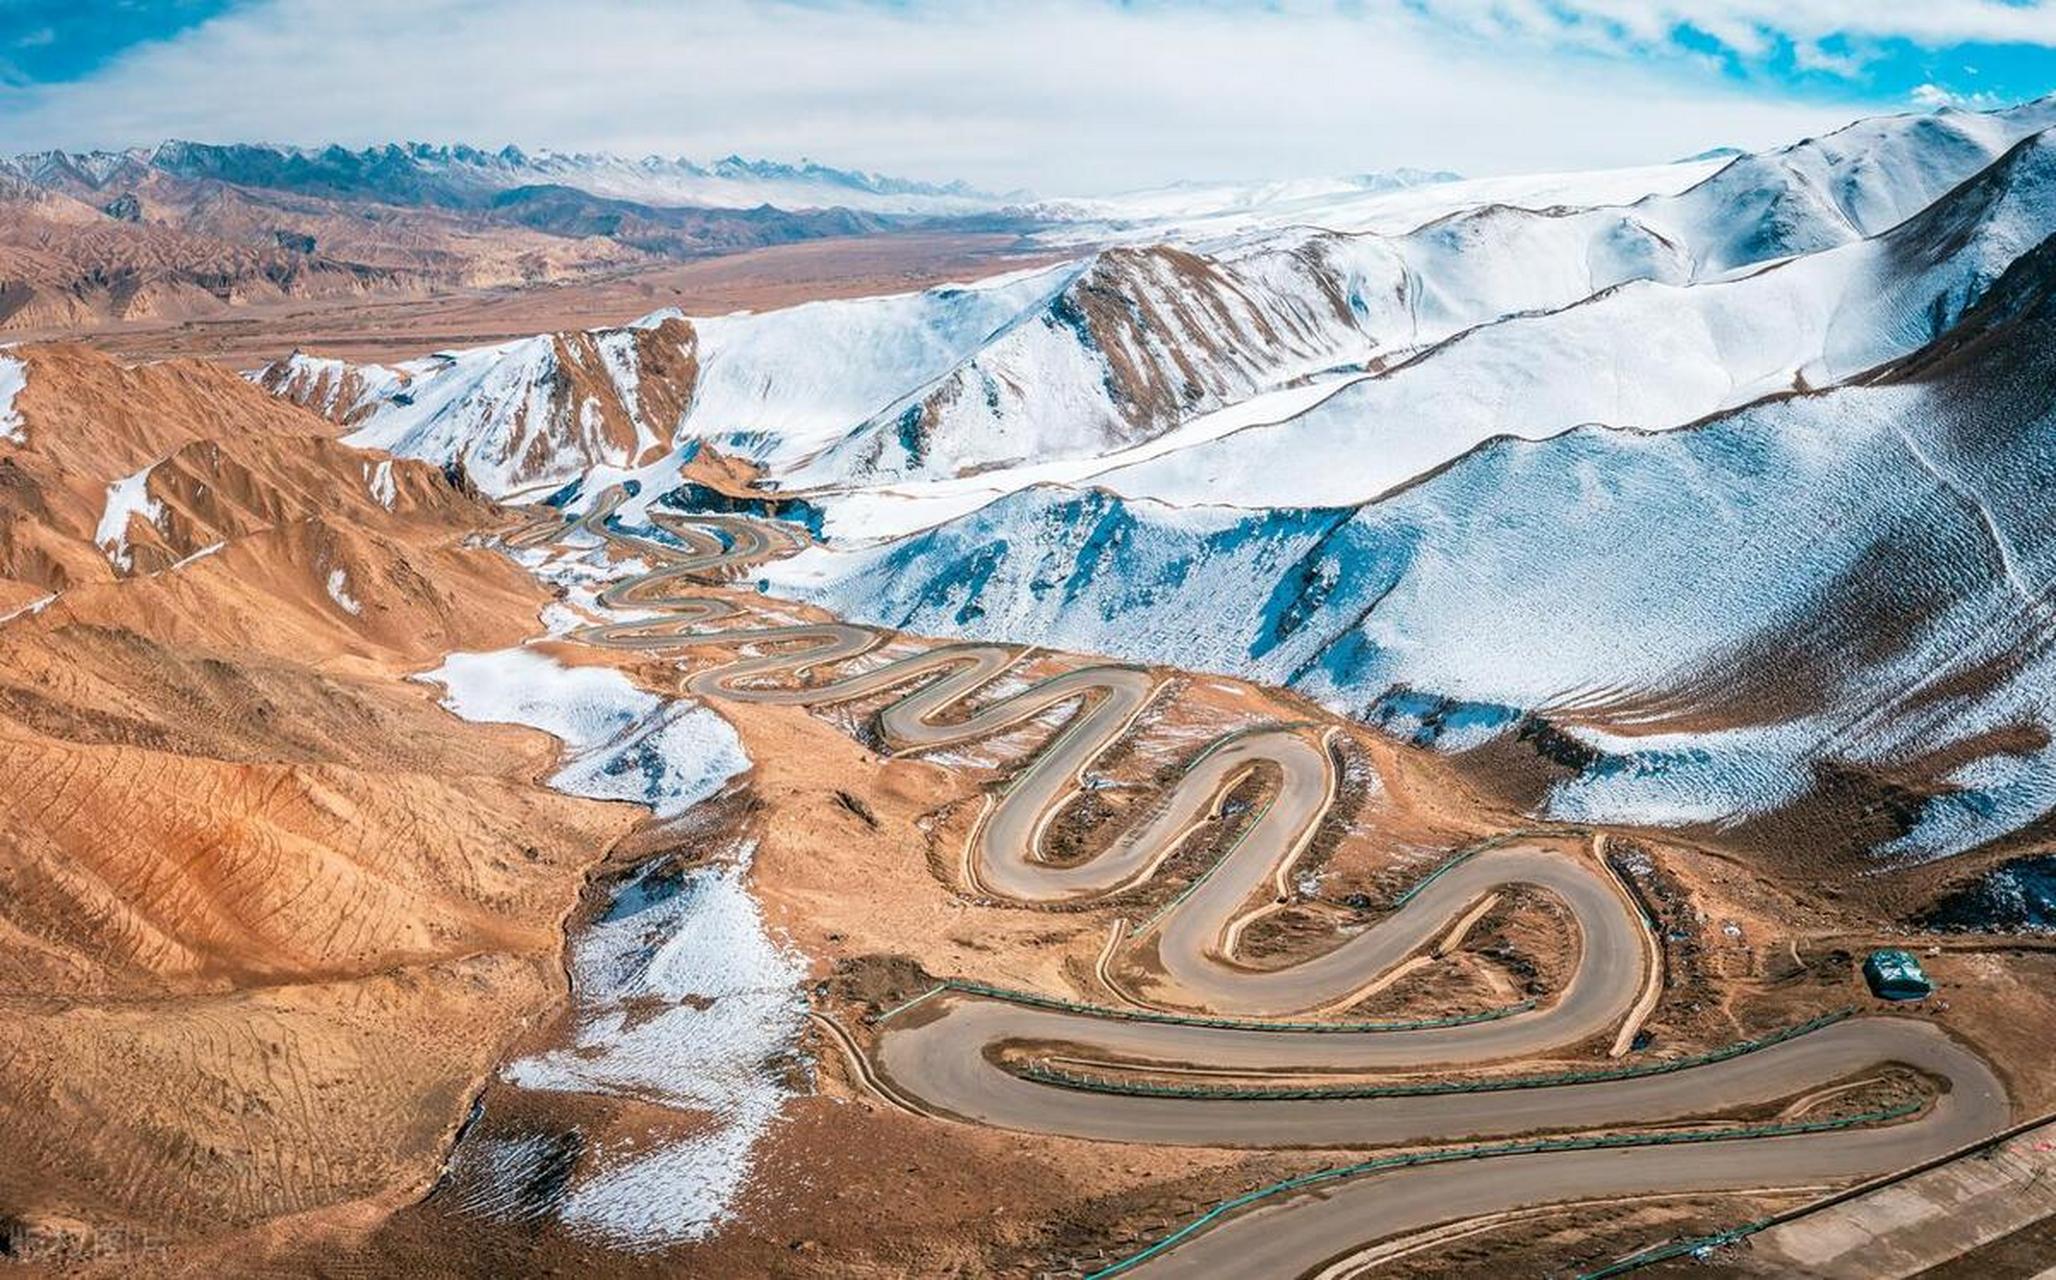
(1061, 95)
(1808, 55)
(1931, 95)
(1748, 27)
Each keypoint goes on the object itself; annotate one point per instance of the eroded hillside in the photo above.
(267, 912)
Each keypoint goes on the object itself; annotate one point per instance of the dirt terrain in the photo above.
(191, 233)
(399, 324)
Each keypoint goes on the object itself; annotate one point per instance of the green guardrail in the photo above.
(1541, 1146)
(1677, 1249)
(1461, 856)
(1034, 1000)
(903, 1006)
(1448, 865)
(1043, 1074)
(1666, 1250)
(1256, 820)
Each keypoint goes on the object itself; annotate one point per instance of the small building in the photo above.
(1896, 975)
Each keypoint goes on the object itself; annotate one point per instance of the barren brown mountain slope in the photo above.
(389, 327)
(440, 246)
(170, 249)
(58, 272)
(267, 913)
(133, 246)
(87, 423)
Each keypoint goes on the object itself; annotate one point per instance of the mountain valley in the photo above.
(566, 714)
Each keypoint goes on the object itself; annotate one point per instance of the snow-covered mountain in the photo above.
(1715, 506)
(1144, 340)
(1384, 203)
(1129, 345)
(775, 388)
(1722, 624)
(464, 176)
(1648, 354)
(1869, 175)
(1136, 341)
(540, 410)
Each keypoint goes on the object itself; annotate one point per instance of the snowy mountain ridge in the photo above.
(1632, 602)
(1128, 344)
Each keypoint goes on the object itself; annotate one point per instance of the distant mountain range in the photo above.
(465, 177)
(187, 229)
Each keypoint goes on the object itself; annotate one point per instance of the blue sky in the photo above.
(1889, 52)
(1057, 95)
(52, 41)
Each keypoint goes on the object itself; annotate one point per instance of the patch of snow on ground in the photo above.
(13, 377)
(732, 1010)
(126, 498)
(1997, 793)
(31, 608)
(339, 591)
(378, 478)
(728, 1001)
(620, 742)
(582, 573)
(1718, 777)
(212, 548)
(500, 1178)
(641, 485)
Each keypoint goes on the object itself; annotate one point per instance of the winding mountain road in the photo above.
(966, 1055)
